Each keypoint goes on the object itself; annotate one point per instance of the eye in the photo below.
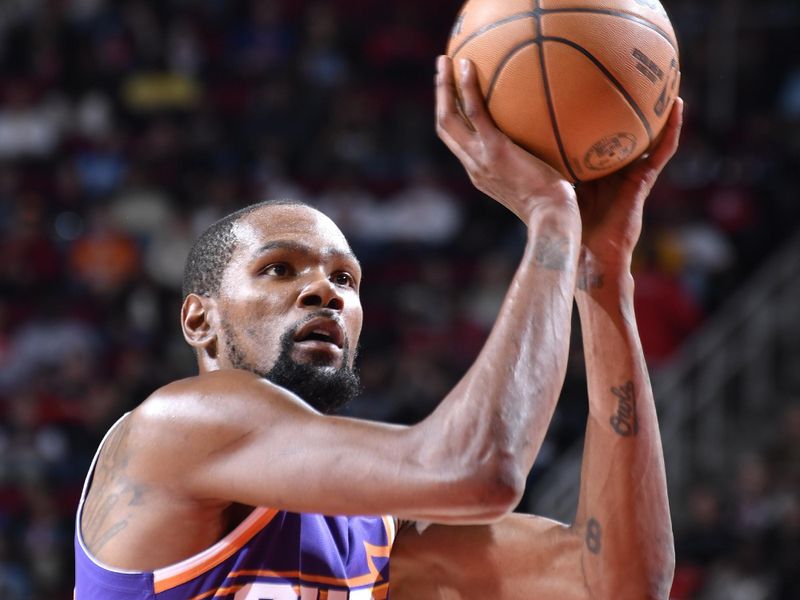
(276, 270)
(343, 278)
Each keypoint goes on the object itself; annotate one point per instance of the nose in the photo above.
(321, 293)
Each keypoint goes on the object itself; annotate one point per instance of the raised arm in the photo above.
(620, 545)
(623, 512)
(232, 436)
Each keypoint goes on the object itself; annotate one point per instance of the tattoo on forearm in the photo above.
(589, 281)
(594, 536)
(624, 421)
(552, 253)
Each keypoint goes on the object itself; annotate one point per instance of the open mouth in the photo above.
(322, 331)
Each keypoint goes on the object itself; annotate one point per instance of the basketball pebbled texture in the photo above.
(585, 85)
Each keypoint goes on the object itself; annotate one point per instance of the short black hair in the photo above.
(213, 250)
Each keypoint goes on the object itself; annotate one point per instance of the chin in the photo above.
(323, 359)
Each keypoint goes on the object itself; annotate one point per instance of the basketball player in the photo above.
(216, 486)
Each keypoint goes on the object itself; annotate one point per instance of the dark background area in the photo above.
(126, 128)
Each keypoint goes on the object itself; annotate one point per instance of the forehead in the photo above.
(301, 224)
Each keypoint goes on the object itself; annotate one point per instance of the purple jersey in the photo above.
(272, 555)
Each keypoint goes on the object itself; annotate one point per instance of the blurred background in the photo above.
(127, 127)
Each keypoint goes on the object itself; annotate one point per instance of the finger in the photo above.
(458, 150)
(647, 169)
(473, 101)
(668, 145)
(450, 125)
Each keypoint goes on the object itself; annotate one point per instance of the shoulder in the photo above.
(210, 386)
(183, 423)
(204, 399)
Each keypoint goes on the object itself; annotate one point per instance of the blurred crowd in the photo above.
(127, 127)
(740, 536)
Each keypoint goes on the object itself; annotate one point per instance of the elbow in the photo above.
(631, 572)
(662, 567)
(474, 480)
(657, 581)
(661, 579)
(494, 488)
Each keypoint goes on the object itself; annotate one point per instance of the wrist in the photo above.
(603, 277)
(595, 272)
(555, 198)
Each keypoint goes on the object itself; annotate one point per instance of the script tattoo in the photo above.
(624, 422)
(594, 536)
(552, 253)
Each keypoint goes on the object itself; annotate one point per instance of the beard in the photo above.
(327, 389)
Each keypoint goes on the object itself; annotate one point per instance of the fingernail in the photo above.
(464, 66)
(440, 63)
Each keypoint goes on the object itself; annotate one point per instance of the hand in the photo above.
(495, 164)
(612, 207)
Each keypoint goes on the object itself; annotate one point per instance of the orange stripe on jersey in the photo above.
(375, 552)
(170, 577)
(347, 582)
(373, 576)
(220, 593)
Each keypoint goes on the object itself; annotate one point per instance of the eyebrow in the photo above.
(298, 247)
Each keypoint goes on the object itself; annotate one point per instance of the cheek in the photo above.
(256, 326)
(355, 321)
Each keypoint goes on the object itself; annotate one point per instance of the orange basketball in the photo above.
(585, 85)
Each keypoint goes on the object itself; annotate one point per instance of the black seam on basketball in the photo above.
(608, 75)
(546, 84)
(489, 27)
(503, 63)
(615, 13)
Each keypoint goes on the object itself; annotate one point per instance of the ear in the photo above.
(197, 324)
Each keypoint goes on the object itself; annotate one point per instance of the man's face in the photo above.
(289, 304)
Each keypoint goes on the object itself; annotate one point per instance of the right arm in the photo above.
(233, 436)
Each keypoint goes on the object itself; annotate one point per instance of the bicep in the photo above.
(518, 558)
(238, 438)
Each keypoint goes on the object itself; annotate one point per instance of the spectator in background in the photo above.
(14, 582)
(105, 258)
(665, 311)
(129, 113)
(29, 126)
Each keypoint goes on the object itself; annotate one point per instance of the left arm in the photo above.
(620, 545)
(623, 511)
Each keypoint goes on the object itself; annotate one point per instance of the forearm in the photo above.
(500, 410)
(623, 511)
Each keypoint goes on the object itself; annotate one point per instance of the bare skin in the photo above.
(197, 450)
(620, 544)
(195, 456)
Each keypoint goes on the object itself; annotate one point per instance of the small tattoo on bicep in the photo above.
(624, 421)
(594, 536)
(552, 253)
